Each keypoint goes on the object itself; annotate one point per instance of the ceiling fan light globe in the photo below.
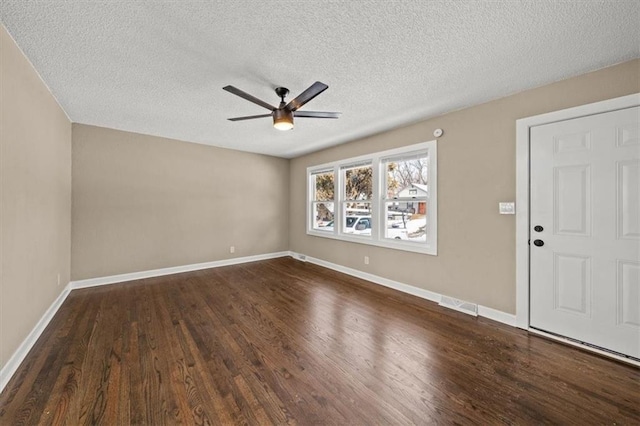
(283, 125)
(282, 119)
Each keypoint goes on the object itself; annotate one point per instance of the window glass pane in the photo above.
(357, 218)
(324, 187)
(323, 217)
(407, 177)
(358, 183)
(406, 221)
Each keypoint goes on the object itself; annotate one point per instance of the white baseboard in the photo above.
(112, 279)
(9, 369)
(496, 315)
(405, 288)
(483, 311)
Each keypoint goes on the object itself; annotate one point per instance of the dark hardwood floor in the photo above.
(282, 341)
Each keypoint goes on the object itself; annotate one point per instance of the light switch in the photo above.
(507, 208)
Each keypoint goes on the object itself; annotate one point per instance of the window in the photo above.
(357, 187)
(323, 200)
(386, 199)
(405, 197)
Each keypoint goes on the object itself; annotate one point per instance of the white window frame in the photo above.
(377, 237)
(312, 193)
(342, 171)
(384, 199)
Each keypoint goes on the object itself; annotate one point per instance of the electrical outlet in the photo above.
(232, 249)
(58, 279)
(366, 260)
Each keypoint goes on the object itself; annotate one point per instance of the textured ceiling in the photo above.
(159, 67)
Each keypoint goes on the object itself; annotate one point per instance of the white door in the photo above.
(585, 230)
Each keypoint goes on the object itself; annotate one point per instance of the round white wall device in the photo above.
(437, 133)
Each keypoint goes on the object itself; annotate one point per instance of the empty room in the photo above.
(319, 213)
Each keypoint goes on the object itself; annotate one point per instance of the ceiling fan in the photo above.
(284, 113)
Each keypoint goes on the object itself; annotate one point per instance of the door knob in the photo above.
(538, 228)
(538, 243)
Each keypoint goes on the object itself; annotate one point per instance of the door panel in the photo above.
(572, 200)
(629, 293)
(628, 206)
(585, 193)
(572, 283)
(573, 142)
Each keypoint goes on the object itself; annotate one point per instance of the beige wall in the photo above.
(35, 197)
(476, 170)
(143, 202)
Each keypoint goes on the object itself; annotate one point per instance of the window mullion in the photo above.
(375, 197)
(338, 193)
(311, 184)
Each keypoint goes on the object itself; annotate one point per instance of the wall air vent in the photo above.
(459, 305)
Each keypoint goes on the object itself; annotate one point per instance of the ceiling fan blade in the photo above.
(314, 90)
(248, 117)
(248, 97)
(317, 114)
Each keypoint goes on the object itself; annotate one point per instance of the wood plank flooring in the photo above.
(284, 342)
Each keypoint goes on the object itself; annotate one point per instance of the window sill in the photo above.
(367, 240)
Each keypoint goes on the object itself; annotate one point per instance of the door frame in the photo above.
(523, 142)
